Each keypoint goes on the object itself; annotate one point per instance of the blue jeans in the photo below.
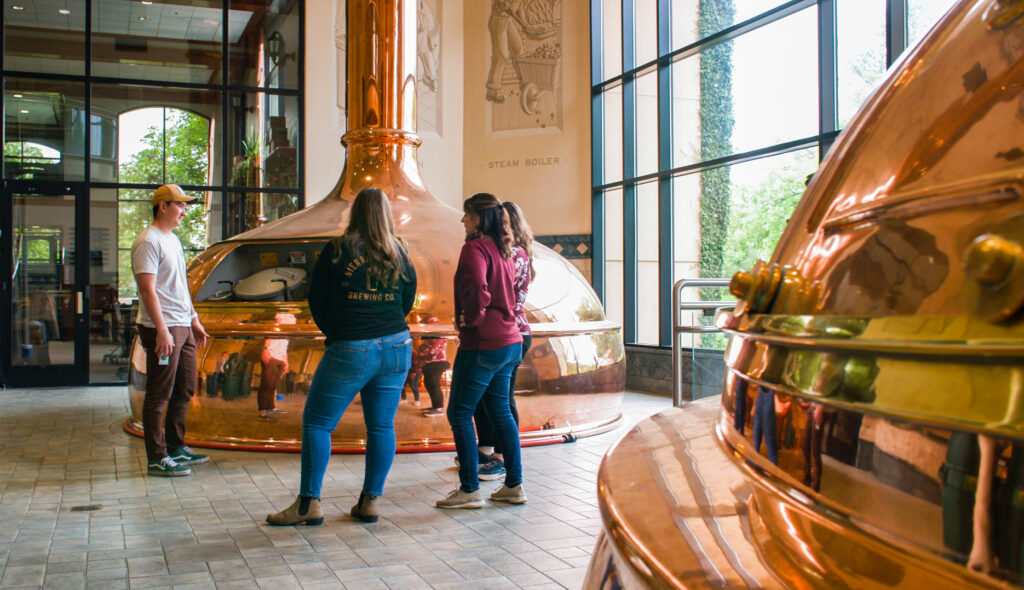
(482, 377)
(377, 367)
(765, 423)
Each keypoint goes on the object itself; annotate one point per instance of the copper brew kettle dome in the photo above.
(884, 339)
(570, 383)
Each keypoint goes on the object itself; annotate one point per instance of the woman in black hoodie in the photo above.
(363, 286)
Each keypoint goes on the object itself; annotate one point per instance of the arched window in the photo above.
(159, 145)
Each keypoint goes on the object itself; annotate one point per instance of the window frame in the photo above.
(828, 129)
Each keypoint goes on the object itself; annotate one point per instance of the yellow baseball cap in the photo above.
(171, 192)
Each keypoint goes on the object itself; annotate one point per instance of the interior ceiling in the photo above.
(160, 19)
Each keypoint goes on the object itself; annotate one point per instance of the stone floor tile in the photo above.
(208, 530)
(278, 583)
(64, 581)
(201, 552)
(22, 575)
(247, 584)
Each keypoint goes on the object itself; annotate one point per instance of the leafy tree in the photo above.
(178, 153)
(760, 213)
(17, 150)
(716, 126)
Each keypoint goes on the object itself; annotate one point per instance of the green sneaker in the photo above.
(186, 456)
(168, 467)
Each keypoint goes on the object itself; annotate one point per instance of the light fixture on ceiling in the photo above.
(143, 19)
(18, 95)
(146, 2)
(63, 11)
(24, 111)
(276, 49)
(17, 7)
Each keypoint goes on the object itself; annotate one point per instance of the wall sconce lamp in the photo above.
(276, 49)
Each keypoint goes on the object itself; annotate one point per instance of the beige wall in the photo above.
(323, 125)
(440, 156)
(546, 169)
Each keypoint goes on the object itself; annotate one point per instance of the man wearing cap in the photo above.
(170, 331)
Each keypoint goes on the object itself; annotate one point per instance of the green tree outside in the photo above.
(761, 212)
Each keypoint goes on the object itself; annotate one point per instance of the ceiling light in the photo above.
(209, 21)
(143, 19)
(18, 95)
(146, 2)
(24, 111)
(63, 11)
(17, 7)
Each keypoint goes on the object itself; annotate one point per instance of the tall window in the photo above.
(708, 118)
(112, 98)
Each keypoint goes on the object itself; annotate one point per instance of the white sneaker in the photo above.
(461, 499)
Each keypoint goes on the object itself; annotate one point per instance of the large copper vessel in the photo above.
(570, 383)
(873, 410)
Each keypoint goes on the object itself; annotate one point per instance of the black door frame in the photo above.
(45, 375)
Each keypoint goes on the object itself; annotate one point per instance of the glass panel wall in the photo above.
(206, 95)
(647, 122)
(749, 113)
(860, 53)
(263, 43)
(169, 42)
(612, 154)
(613, 255)
(263, 130)
(43, 279)
(110, 318)
(648, 294)
(163, 134)
(44, 130)
(774, 83)
(611, 51)
(922, 15)
(45, 37)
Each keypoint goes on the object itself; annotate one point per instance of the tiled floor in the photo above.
(61, 449)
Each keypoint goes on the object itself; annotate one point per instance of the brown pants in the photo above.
(270, 376)
(168, 390)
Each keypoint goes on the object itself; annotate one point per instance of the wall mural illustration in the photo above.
(428, 67)
(524, 81)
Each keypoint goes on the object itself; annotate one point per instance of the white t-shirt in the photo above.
(159, 253)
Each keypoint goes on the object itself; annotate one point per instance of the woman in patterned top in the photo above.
(490, 452)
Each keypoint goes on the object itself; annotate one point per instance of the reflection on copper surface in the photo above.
(571, 381)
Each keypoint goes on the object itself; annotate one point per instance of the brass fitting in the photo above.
(994, 264)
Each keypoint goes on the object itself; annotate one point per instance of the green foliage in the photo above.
(716, 126)
(185, 161)
(759, 215)
(17, 149)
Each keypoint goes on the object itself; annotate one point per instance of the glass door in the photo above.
(44, 281)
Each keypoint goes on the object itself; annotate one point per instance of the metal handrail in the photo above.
(678, 306)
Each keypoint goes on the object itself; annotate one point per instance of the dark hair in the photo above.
(371, 232)
(522, 234)
(492, 221)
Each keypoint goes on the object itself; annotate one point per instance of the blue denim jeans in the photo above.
(375, 367)
(482, 377)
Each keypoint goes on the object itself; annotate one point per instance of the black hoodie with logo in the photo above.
(346, 307)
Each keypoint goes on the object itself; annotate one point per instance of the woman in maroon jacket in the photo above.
(490, 347)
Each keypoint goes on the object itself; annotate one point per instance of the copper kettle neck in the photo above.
(381, 70)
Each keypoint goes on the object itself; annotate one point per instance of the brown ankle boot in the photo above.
(366, 508)
(292, 515)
